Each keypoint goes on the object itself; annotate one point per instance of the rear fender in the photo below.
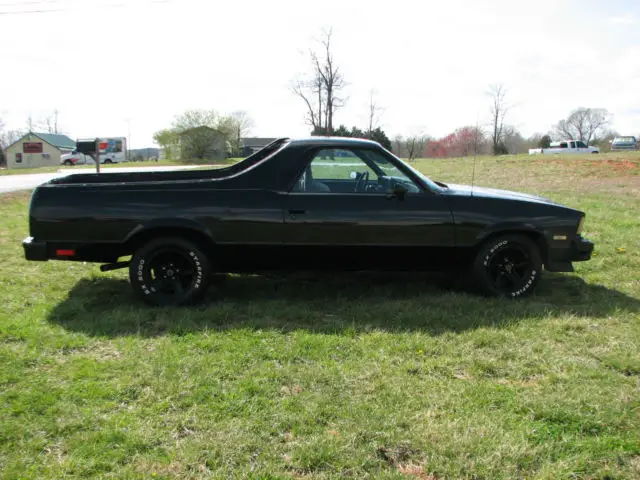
(169, 226)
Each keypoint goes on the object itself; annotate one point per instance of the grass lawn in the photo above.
(344, 377)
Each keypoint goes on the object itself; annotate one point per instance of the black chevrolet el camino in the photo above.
(309, 204)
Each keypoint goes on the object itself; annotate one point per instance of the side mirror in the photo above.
(353, 175)
(398, 192)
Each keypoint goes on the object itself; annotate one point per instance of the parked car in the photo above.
(332, 204)
(624, 143)
(568, 146)
(112, 150)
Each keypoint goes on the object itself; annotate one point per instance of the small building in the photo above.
(38, 150)
(251, 145)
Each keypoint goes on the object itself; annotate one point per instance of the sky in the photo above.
(127, 67)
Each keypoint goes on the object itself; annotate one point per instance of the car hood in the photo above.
(467, 191)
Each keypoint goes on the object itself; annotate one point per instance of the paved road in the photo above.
(12, 183)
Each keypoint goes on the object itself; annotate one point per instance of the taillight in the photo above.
(61, 252)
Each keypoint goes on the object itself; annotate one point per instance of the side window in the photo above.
(563, 145)
(573, 144)
(581, 144)
(335, 170)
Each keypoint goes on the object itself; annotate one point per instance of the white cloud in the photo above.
(626, 19)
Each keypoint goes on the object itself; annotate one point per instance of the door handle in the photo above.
(297, 212)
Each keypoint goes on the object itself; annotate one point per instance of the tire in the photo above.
(169, 272)
(508, 266)
(107, 162)
(68, 163)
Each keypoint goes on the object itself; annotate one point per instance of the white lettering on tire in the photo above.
(492, 251)
(526, 286)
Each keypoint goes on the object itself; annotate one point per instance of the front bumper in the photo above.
(581, 249)
(560, 258)
(35, 250)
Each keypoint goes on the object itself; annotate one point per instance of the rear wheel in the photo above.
(508, 266)
(68, 163)
(107, 161)
(170, 271)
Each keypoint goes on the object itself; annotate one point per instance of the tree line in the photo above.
(587, 124)
(322, 94)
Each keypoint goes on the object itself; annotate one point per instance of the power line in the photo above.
(93, 7)
(13, 4)
(22, 12)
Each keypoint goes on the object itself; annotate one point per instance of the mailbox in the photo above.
(88, 147)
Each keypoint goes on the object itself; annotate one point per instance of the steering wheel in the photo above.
(363, 179)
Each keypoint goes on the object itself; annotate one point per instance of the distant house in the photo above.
(141, 154)
(38, 150)
(202, 143)
(251, 145)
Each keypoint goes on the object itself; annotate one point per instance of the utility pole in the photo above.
(97, 155)
(128, 139)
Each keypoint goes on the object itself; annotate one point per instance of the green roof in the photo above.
(60, 141)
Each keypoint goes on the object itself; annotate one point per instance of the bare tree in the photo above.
(414, 146)
(10, 136)
(7, 137)
(583, 124)
(314, 108)
(242, 124)
(498, 110)
(332, 80)
(321, 93)
(3, 144)
(51, 122)
(373, 112)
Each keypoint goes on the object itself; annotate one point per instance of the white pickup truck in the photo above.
(568, 146)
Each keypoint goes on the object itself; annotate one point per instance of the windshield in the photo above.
(430, 183)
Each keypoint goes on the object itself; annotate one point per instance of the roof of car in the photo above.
(334, 141)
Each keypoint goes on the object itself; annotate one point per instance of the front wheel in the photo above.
(170, 271)
(107, 161)
(508, 266)
(68, 163)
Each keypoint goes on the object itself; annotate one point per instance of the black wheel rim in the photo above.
(169, 274)
(510, 268)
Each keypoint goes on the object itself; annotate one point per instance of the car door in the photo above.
(581, 146)
(343, 214)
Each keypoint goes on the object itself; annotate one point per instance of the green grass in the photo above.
(348, 376)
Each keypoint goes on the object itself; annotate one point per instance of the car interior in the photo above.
(355, 175)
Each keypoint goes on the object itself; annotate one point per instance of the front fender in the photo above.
(508, 227)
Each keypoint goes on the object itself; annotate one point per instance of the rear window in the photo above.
(624, 139)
